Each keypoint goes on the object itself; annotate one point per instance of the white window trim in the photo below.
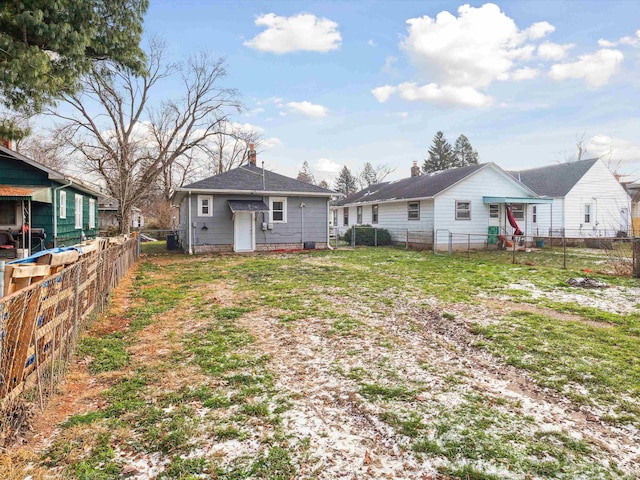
(458, 217)
(345, 216)
(79, 213)
(62, 207)
(92, 213)
(408, 210)
(375, 213)
(587, 212)
(284, 209)
(201, 199)
(359, 214)
(519, 214)
(494, 210)
(534, 214)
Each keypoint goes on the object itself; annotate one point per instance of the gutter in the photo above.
(190, 250)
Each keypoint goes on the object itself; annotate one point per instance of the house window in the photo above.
(78, 199)
(62, 208)
(517, 209)
(463, 210)
(92, 213)
(587, 213)
(205, 205)
(8, 216)
(534, 214)
(335, 218)
(374, 213)
(278, 207)
(413, 210)
(359, 215)
(345, 216)
(494, 210)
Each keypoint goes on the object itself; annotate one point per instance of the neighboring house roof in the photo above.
(51, 174)
(110, 204)
(249, 179)
(554, 180)
(422, 186)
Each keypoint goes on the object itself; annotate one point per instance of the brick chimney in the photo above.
(252, 154)
(415, 170)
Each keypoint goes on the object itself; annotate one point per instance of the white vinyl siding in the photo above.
(92, 213)
(78, 217)
(62, 208)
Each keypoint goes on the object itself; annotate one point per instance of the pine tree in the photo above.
(464, 153)
(345, 182)
(441, 155)
(368, 176)
(305, 175)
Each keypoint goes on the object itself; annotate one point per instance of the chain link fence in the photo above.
(39, 326)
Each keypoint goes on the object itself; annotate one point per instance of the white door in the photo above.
(243, 232)
(624, 219)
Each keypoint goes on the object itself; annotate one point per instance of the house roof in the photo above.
(35, 193)
(249, 179)
(554, 180)
(422, 186)
(51, 174)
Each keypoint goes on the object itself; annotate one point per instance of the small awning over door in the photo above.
(247, 206)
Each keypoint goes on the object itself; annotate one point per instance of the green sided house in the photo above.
(41, 208)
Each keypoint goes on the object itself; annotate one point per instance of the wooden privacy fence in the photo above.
(40, 323)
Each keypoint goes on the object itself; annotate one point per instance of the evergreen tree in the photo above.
(305, 175)
(464, 153)
(46, 46)
(345, 182)
(441, 155)
(368, 176)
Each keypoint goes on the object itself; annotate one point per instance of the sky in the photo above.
(340, 83)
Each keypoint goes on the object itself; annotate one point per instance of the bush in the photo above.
(366, 235)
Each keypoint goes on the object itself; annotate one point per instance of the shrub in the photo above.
(366, 235)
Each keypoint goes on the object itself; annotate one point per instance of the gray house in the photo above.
(252, 209)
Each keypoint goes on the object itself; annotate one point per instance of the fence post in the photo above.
(353, 236)
(139, 243)
(1, 278)
(636, 256)
(564, 250)
(375, 237)
(513, 258)
(468, 246)
(406, 241)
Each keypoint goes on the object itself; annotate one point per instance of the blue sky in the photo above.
(341, 83)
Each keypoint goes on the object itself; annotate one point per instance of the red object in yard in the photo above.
(513, 223)
(502, 240)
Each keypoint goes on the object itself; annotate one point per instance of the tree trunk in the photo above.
(636, 256)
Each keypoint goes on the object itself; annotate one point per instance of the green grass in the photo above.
(107, 353)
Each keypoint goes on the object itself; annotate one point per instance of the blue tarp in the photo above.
(33, 257)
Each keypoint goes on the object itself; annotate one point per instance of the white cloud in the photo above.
(596, 68)
(462, 55)
(307, 108)
(399, 114)
(324, 165)
(271, 142)
(613, 149)
(553, 51)
(302, 32)
(445, 94)
(382, 94)
(372, 43)
(633, 41)
(388, 65)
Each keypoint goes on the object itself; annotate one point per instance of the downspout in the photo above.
(328, 228)
(190, 250)
(55, 211)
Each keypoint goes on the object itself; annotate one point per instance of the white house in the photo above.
(457, 207)
(588, 200)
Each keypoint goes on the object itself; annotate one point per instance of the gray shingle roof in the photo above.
(412, 187)
(248, 178)
(554, 180)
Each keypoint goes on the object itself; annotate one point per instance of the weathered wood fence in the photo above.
(39, 325)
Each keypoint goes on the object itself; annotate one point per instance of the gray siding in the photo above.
(219, 226)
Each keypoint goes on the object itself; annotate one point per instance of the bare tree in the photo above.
(371, 175)
(582, 149)
(127, 144)
(46, 150)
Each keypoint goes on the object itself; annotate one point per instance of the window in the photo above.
(205, 205)
(359, 215)
(517, 209)
(8, 216)
(534, 214)
(374, 213)
(463, 210)
(62, 208)
(78, 199)
(92, 213)
(494, 210)
(345, 216)
(278, 206)
(587, 213)
(335, 218)
(413, 210)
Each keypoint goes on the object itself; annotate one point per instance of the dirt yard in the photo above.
(356, 364)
